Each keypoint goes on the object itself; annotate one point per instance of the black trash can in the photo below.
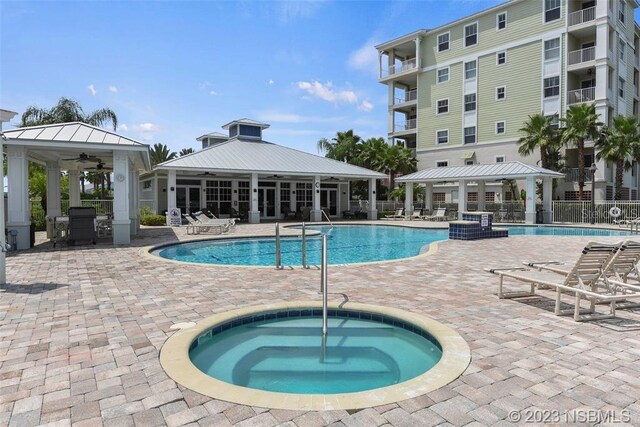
(32, 235)
(539, 216)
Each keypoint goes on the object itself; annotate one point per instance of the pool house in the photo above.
(240, 174)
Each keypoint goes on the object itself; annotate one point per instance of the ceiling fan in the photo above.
(206, 174)
(100, 167)
(84, 157)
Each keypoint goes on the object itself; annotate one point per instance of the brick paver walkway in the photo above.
(81, 330)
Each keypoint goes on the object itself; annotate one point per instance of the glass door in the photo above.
(194, 199)
(329, 201)
(181, 199)
(267, 202)
(188, 199)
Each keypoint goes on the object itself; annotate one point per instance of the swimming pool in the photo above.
(348, 244)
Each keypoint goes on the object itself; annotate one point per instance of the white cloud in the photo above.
(365, 106)
(213, 93)
(271, 81)
(327, 92)
(146, 130)
(92, 89)
(123, 127)
(291, 10)
(365, 58)
(280, 117)
(113, 89)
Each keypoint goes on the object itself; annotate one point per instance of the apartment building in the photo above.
(459, 93)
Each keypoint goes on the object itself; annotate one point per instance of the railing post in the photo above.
(324, 284)
(304, 246)
(278, 255)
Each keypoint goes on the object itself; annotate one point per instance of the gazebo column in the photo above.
(133, 200)
(482, 196)
(254, 213)
(121, 195)
(530, 211)
(74, 188)
(316, 212)
(18, 215)
(547, 201)
(408, 198)
(171, 190)
(54, 207)
(372, 214)
(462, 198)
(428, 197)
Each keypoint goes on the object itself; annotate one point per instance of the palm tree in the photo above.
(581, 124)
(161, 153)
(539, 134)
(370, 153)
(345, 146)
(395, 159)
(68, 110)
(619, 145)
(185, 151)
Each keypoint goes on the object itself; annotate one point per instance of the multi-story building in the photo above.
(459, 93)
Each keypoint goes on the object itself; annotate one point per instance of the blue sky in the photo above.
(175, 70)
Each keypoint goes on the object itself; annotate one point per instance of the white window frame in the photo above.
(544, 12)
(464, 34)
(544, 49)
(448, 33)
(544, 88)
(475, 135)
(504, 127)
(464, 69)
(501, 156)
(437, 140)
(498, 64)
(469, 162)
(438, 75)
(442, 161)
(475, 102)
(621, 83)
(505, 93)
(622, 10)
(506, 21)
(438, 113)
(622, 50)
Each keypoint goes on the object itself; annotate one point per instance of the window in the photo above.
(472, 196)
(285, 196)
(442, 164)
(468, 162)
(442, 136)
(470, 70)
(438, 197)
(621, 83)
(443, 75)
(551, 49)
(501, 58)
(500, 159)
(501, 93)
(471, 34)
(621, 10)
(443, 106)
(218, 197)
(500, 128)
(551, 86)
(146, 185)
(610, 78)
(443, 42)
(555, 121)
(470, 102)
(551, 10)
(621, 49)
(244, 196)
(304, 195)
(470, 135)
(501, 21)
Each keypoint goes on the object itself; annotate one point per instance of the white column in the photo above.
(391, 118)
(18, 216)
(132, 197)
(136, 201)
(316, 213)
(3, 242)
(602, 71)
(462, 198)
(379, 64)
(53, 195)
(156, 194)
(171, 190)
(530, 211)
(372, 214)
(121, 195)
(254, 213)
(417, 40)
(482, 196)
(408, 198)
(428, 197)
(74, 188)
(547, 202)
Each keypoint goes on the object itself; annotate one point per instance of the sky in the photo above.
(173, 71)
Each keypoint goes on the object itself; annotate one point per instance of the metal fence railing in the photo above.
(102, 207)
(606, 211)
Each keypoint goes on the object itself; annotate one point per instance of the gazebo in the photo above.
(73, 147)
(480, 174)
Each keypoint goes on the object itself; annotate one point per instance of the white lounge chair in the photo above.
(228, 224)
(397, 215)
(198, 227)
(438, 216)
(415, 215)
(586, 279)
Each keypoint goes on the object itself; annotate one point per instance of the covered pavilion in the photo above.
(480, 174)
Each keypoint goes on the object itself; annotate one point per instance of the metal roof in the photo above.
(216, 135)
(256, 156)
(507, 170)
(74, 132)
(245, 121)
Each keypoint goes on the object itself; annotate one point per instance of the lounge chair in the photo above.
(352, 213)
(228, 224)
(416, 214)
(440, 215)
(288, 213)
(195, 227)
(397, 215)
(584, 280)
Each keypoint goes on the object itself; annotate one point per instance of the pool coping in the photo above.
(456, 356)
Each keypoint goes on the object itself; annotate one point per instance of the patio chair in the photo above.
(288, 213)
(397, 215)
(228, 224)
(440, 215)
(582, 281)
(351, 213)
(197, 227)
(416, 214)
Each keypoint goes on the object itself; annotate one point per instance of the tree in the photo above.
(539, 134)
(68, 110)
(345, 146)
(185, 151)
(618, 146)
(161, 153)
(370, 153)
(581, 124)
(395, 159)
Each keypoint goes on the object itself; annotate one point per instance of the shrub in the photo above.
(153, 220)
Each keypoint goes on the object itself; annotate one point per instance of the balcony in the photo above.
(408, 125)
(574, 175)
(581, 95)
(582, 16)
(581, 55)
(409, 96)
(404, 66)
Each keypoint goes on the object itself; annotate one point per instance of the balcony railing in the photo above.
(574, 175)
(409, 64)
(582, 55)
(581, 95)
(410, 95)
(408, 125)
(582, 16)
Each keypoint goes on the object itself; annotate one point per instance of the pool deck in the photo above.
(81, 330)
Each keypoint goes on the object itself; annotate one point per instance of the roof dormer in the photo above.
(245, 128)
(212, 138)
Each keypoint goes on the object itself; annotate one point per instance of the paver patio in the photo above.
(81, 329)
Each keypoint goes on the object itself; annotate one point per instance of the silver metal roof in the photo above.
(246, 122)
(74, 132)
(507, 170)
(216, 135)
(256, 156)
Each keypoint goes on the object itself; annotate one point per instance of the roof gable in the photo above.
(507, 170)
(75, 132)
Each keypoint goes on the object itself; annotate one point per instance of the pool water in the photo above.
(348, 244)
(287, 355)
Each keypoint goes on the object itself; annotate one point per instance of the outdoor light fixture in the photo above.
(593, 170)
(172, 189)
(255, 190)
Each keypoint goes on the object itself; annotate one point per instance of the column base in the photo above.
(135, 225)
(121, 232)
(530, 218)
(254, 217)
(315, 216)
(372, 215)
(547, 217)
(23, 236)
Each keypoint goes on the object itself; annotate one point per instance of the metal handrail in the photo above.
(278, 254)
(581, 95)
(582, 16)
(323, 285)
(304, 246)
(581, 55)
(327, 217)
